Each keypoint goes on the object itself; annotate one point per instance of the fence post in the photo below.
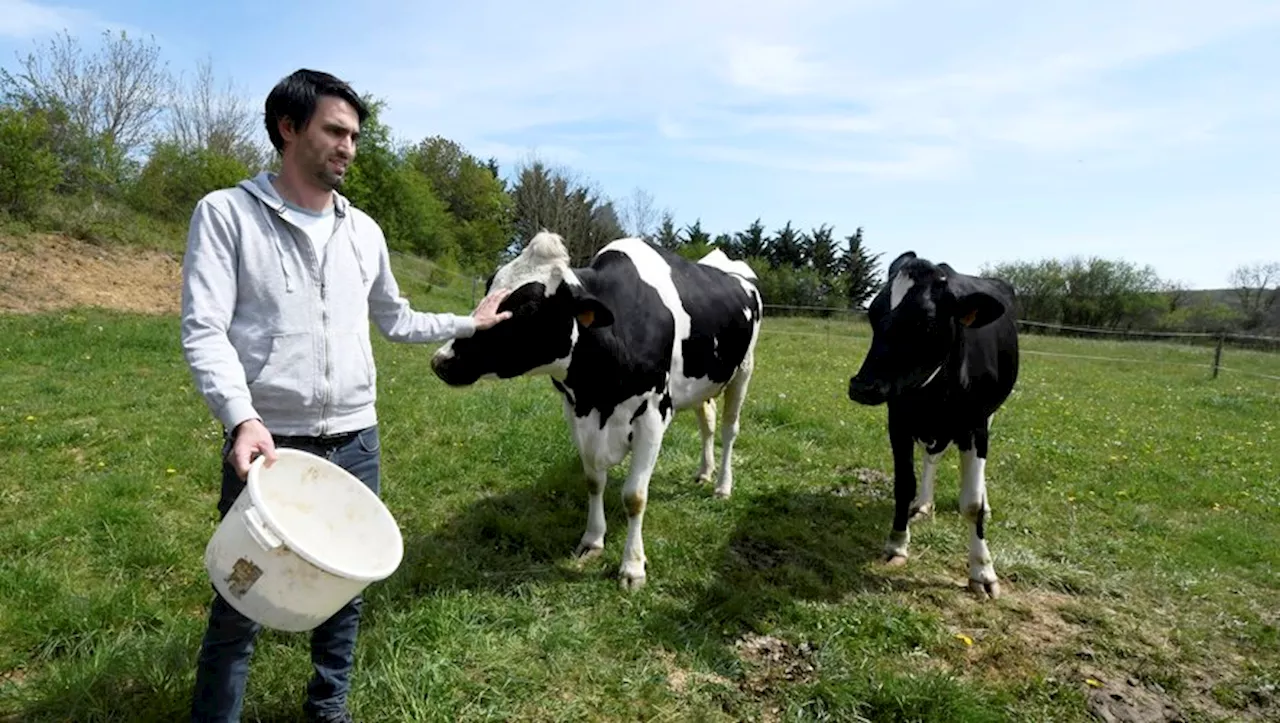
(473, 292)
(1217, 354)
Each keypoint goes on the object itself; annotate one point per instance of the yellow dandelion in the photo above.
(1093, 683)
(964, 638)
(170, 470)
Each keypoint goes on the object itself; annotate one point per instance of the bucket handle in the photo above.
(258, 530)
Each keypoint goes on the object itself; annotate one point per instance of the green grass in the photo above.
(1136, 508)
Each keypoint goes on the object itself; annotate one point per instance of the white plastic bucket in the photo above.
(303, 538)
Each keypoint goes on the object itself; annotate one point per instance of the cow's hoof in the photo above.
(892, 560)
(587, 552)
(630, 581)
(985, 590)
(703, 478)
(925, 510)
(722, 493)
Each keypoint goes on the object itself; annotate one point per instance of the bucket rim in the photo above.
(252, 482)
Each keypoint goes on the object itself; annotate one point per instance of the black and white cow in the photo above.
(636, 336)
(944, 356)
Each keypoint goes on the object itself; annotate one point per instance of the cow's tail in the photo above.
(718, 259)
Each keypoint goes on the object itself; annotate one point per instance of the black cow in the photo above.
(944, 355)
(638, 335)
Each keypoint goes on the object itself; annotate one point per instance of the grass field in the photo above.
(1136, 508)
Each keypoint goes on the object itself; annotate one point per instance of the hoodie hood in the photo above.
(260, 188)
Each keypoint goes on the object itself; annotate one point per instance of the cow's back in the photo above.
(695, 320)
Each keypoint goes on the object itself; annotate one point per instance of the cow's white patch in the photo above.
(655, 272)
(718, 259)
(974, 508)
(932, 376)
(602, 447)
(902, 284)
(923, 503)
(543, 260)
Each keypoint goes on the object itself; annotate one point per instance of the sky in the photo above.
(967, 131)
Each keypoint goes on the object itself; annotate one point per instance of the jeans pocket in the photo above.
(368, 439)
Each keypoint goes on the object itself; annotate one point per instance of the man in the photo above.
(281, 278)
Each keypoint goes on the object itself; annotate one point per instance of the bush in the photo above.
(175, 179)
(30, 170)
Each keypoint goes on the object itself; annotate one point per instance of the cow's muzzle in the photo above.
(446, 367)
(868, 392)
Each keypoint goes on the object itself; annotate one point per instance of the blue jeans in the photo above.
(223, 665)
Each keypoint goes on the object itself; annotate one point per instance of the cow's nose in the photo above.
(440, 362)
(870, 393)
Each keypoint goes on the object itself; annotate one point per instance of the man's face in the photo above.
(325, 148)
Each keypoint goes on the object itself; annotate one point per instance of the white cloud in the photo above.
(24, 19)
(864, 82)
(911, 162)
(770, 69)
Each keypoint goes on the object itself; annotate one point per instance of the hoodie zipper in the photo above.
(317, 273)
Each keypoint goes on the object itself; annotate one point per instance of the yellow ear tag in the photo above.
(967, 319)
(586, 317)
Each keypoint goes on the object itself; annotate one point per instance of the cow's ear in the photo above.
(898, 262)
(977, 309)
(590, 311)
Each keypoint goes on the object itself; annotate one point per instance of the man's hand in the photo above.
(250, 439)
(487, 314)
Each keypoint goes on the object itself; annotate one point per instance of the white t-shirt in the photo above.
(317, 224)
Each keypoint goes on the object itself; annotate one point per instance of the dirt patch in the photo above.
(47, 272)
(680, 679)
(863, 482)
(772, 661)
(1122, 699)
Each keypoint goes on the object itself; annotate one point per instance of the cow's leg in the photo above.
(706, 426)
(975, 509)
(922, 505)
(647, 442)
(734, 396)
(593, 539)
(904, 490)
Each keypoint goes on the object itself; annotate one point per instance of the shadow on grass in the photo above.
(502, 541)
(787, 547)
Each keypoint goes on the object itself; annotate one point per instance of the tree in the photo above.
(1092, 292)
(30, 170)
(752, 242)
(1176, 294)
(821, 251)
(471, 193)
(1257, 286)
(175, 178)
(859, 270)
(637, 214)
(201, 117)
(397, 196)
(786, 249)
(558, 201)
(666, 236)
(695, 236)
(112, 97)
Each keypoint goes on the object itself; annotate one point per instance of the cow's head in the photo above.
(916, 320)
(547, 305)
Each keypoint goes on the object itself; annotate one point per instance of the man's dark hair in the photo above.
(295, 98)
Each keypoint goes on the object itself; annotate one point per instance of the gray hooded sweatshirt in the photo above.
(272, 332)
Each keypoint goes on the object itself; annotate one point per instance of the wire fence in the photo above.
(831, 322)
(839, 322)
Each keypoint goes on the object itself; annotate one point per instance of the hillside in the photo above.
(50, 272)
